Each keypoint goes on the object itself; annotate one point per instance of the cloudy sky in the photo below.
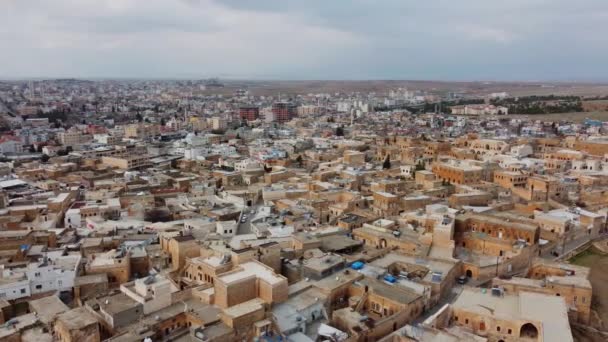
(306, 39)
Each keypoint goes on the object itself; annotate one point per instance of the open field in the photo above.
(574, 117)
(598, 263)
(595, 106)
(381, 87)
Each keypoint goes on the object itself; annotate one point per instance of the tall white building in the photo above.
(55, 272)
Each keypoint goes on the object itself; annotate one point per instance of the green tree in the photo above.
(420, 166)
(340, 131)
(387, 162)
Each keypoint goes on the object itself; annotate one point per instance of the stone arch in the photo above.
(528, 330)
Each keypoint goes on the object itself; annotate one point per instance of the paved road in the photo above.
(4, 108)
(245, 227)
(569, 247)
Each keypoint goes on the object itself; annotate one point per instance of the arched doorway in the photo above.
(382, 243)
(469, 274)
(528, 330)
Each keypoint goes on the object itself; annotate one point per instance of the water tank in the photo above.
(389, 279)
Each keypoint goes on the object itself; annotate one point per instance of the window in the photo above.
(509, 331)
(466, 321)
(456, 318)
(38, 287)
(497, 328)
(22, 290)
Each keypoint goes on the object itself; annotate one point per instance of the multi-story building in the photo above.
(247, 282)
(73, 137)
(52, 273)
(284, 111)
(479, 110)
(10, 144)
(127, 162)
(556, 280)
(457, 172)
(218, 123)
(249, 113)
(142, 131)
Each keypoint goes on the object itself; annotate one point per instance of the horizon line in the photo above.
(598, 81)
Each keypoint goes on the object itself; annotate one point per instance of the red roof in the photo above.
(7, 138)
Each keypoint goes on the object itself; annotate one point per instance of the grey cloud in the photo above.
(467, 39)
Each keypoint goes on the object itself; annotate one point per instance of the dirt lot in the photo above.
(599, 304)
(595, 106)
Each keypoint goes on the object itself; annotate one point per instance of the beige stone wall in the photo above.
(459, 200)
(227, 295)
(88, 334)
(489, 326)
(118, 273)
(244, 321)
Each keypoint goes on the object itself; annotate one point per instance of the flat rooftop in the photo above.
(116, 303)
(323, 262)
(433, 265)
(550, 311)
(23, 322)
(77, 318)
(337, 279)
(91, 279)
(250, 269)
(244, 308)
(394, 293)
(47, 308)
(497, 220)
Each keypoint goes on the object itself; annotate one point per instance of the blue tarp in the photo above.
(389, 278)
(357, 265)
